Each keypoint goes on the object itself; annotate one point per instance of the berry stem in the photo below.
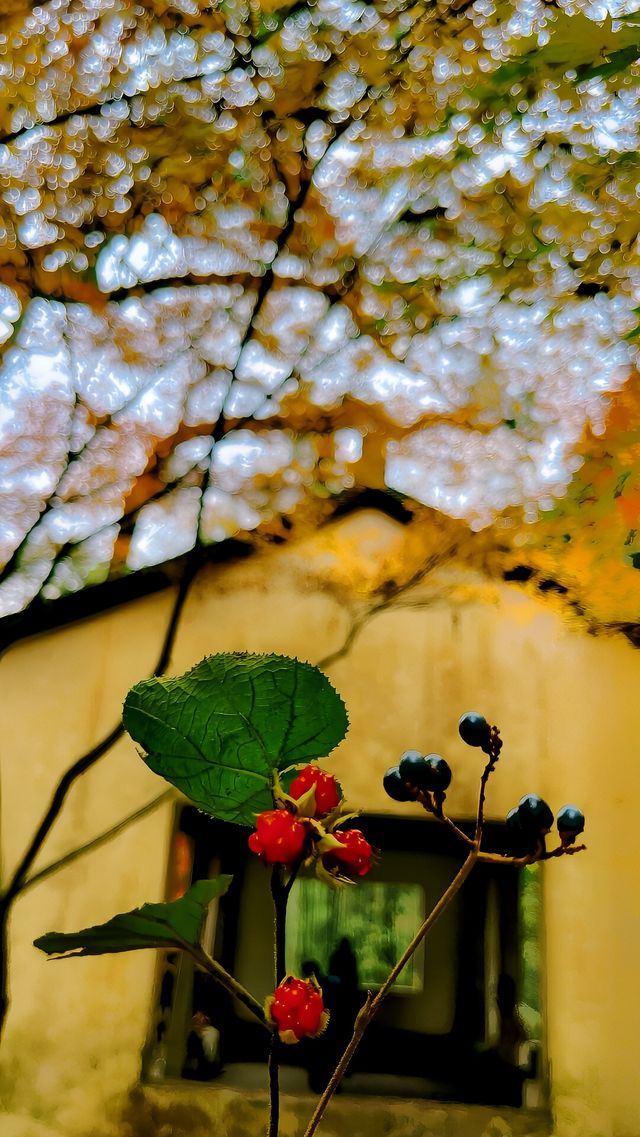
(213, 968)
(439, 813)
(279, 897)
(374, 1002)
(494, 748)
(280, 893)
(531, 859)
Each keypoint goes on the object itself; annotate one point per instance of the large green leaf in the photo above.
(219, 732)
(176, 924)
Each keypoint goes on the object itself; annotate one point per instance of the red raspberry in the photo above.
(297, 1009)
(354, 859)
(328, 794)
(279, 838)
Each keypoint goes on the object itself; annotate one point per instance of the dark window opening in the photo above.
(463, 1024)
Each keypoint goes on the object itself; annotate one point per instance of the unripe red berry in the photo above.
(328, 794)
(297, 1009)
(279, 838)
(353, 859)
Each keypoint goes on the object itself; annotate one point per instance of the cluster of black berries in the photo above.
(530, 821)
(429, 773)
(417, 776)
(416, 773)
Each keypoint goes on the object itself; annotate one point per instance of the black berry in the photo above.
(474, 729)
(439, 772)
(429, 772)
(570, 822)
(535, 814)
(413, 768)
(519, 842)
(395, 786)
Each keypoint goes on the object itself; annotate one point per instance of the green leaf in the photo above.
(176, 924)
(219, 732)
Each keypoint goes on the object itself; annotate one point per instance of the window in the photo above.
(465, 1022)
(378, 919)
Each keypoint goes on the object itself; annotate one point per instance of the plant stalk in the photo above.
(217, 972)
(20, 877)
(280, 893)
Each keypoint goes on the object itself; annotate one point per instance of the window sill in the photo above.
(243, 1110)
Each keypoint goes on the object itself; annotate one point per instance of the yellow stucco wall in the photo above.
(566, 704)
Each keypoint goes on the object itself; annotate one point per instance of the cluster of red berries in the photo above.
(295, 831)
(297, 1009)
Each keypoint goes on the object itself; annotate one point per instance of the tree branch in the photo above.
(19, 880)
(97, 842)
(92, 756)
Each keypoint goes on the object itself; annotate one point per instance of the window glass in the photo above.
(377, 918)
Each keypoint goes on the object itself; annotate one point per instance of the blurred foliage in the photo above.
(192, 192)
(530, 918)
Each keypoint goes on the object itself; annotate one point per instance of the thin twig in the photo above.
(92, 756)
(498, 858)
(360, 622)
(20, 879)
(521, 862)
(481, 798)
(454, 829)
(428, 804)
(494, 747)
(373, 1003)
(97, 842)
